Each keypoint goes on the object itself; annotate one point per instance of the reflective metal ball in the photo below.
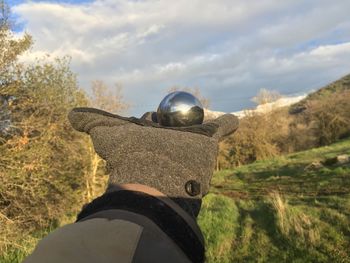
(180, 109)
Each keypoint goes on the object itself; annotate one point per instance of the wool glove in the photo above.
(177, 161)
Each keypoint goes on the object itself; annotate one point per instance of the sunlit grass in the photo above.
(286, 212)
(270, 211)
(219, 221)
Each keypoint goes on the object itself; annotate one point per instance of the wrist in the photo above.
(188, 208)
(164, 212)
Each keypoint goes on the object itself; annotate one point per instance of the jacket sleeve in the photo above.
(107, 231)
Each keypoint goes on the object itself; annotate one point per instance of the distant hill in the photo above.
(297, 104)
(263, 108)
(336, 86)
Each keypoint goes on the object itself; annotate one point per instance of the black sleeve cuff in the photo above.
(156, 210)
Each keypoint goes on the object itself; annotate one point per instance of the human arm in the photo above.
(157, 174)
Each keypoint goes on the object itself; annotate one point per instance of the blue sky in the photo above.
(13, 3)
(229, 49)
(17, 2)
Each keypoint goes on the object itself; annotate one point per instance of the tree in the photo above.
(266, 96)
(194, 91)
(4, 14)
(329, 117)
(110, 100)
(10, 49)
(43, 162)
(259, 135)
(107, 99)
(42, 166)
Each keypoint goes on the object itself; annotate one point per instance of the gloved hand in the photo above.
(178, 162)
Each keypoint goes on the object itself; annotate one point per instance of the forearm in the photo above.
(159, 230)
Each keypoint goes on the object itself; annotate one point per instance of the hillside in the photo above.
(296, 104)
(337, 86)
(281, 210)
(277, 210)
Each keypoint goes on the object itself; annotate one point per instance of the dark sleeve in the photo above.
(123, 226)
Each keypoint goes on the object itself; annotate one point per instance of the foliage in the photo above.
(40, 172)
(329, 117)
(4, 14)
(272, 211)
(323, 121)
(41, 158)
(338, 86)
(10, 49)
(47, 170)
(259, 136)
(263, 135)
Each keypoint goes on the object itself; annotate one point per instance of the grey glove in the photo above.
(178, 162)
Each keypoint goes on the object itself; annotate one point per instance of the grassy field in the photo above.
(278, 211)
(270, 211)
(16, 252)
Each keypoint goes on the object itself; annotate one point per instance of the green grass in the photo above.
(19, 250)
(269, 211)
(219, 220)
(276, 211)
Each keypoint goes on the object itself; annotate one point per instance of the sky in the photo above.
(229, 49)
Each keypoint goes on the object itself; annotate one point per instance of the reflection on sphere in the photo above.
(180, 109)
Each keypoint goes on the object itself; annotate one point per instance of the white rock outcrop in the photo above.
(264, 108)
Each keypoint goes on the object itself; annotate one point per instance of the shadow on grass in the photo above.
(264, 219)
(264, 242)
(282, 171)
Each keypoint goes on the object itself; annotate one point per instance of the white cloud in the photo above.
(229, 48)
(331, 50)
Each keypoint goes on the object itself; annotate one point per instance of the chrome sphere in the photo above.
(180, 109)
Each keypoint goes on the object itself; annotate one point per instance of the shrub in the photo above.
(329, 117)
